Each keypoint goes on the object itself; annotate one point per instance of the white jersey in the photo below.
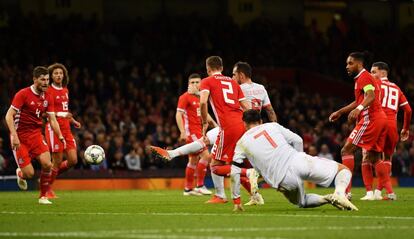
(269, 148)
(256, 94)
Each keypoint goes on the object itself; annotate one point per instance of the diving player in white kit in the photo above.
(277, 154)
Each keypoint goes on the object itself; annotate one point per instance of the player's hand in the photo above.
(62, 139)
(69, 115)
(353, 115)
(404, 134)
(77, 124)
(183, 137)
(206, 141)
(205, 127)
(334, 116)
(192, 89)
(238, 208)
(15, 142)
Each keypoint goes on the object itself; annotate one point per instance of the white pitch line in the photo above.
(112, 235)
(211, 214)
(175, 233)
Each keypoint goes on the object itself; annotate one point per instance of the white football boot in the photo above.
(368, 197)
(203, 190)
(377, 195)
(44, 201)
(256, 199)
(22, 183)
(339, 201)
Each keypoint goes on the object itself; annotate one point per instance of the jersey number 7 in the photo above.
(267, 136)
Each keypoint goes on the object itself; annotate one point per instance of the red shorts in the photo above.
(191, 138)
(31, 146)
(370, 134)
(55, 145)
(391, 139)
(223, 148)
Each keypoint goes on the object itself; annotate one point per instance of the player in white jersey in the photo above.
(277, 154)
(256, 94)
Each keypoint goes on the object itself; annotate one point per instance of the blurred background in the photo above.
(129, 61)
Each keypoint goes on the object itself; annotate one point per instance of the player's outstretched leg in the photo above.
(338, 198)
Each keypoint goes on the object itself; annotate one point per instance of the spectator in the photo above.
(325, 152)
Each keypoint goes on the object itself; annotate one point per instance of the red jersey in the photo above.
(60, 98)
(30, 107)
(363, 79)
(225, 97)
(392, 98)
(189, 104)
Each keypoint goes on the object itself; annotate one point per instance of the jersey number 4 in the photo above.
(390, 97)
(267, 136)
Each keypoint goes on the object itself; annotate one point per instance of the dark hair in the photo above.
(214, 62)
(194, 75)
(244, 68)
(39, 70)
(251, 116)
(365, 57)
(381, 65)
(55, 66)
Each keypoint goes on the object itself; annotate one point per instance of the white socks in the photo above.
(186, 149)
(342, 180)
(218, 185)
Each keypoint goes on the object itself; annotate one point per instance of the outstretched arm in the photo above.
(405, 132)
(15, 142)
(270, 113)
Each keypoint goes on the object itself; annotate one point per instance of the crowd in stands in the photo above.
(125, 77)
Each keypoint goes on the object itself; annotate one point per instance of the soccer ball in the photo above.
(94, 154)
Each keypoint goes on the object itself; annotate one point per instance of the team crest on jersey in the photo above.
(57, 97)
(45, 103)
(20, 160)
(32, 103)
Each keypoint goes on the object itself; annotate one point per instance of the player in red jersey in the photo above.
(189, 123)
(228, 102)
(370, 131)
(60, 96)
(392, 99)
(24, 120)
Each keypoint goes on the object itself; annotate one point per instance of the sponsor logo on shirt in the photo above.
(32, 103)
(20, 160)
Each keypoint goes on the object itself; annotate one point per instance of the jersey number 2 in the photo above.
(227, 91)
(267, 136)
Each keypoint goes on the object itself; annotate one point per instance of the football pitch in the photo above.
(168, 214)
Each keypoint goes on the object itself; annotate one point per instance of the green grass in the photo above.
(168, 214)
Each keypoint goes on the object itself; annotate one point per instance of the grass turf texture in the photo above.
(168, 214)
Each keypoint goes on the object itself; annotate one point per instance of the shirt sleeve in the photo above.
(292, 138)
(50, 109)
(366, 83)
(240, 94)
(18, 100)
(182, 103)
(239, 154)
(266, 100)
(205, 86)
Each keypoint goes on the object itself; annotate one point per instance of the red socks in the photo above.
(246, 184)
(189, 176)
(63, 167)
(348, 160)
(221, 170)
(44, 182)
(383, 171)
(201, 172)
(367, 175)
(53, 175)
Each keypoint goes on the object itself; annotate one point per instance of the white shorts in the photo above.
(317, 170)
(212, 135)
